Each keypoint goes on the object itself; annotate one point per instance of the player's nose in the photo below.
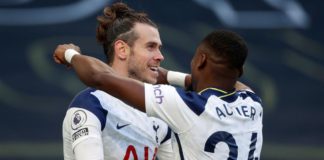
(158, 56)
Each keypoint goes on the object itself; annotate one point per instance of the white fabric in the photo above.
(92, 124)
(90, 148)
(69, 53)
(207, 117)
(127, 132)
(176, 78)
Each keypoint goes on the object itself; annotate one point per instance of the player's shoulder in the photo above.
(159, 87)
(91, 95)
(83, 97)
(86, 102)
(249, 94)
(87, 99)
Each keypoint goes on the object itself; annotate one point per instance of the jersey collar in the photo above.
(226, 96)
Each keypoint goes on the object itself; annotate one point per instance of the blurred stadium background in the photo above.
(285, 66)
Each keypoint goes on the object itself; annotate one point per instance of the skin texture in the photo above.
(145, 56)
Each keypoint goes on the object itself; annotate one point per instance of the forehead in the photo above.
(147, 34)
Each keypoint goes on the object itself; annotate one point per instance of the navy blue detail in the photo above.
(225, 137)
(252, 145)
(210, 91)
(252, 95)
(168, 136)
(197, 102)
(193, 100)
(156, 127)
(228, 99)
(243, 95)
(89, 102)
(179, 145)
(122, 126)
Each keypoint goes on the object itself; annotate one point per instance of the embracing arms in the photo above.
(94, 73)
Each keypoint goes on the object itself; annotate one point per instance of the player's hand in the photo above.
(162, 78)
(59, 53)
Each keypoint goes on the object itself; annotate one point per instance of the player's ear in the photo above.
(202, 58)
(121, 49)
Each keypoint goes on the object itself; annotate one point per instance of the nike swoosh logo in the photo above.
(122, 126)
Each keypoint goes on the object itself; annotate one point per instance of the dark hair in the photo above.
(227, 45)
(116, 23)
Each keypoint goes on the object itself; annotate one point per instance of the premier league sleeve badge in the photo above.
(79, 117)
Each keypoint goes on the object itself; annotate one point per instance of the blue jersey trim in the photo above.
(168, 136)
(193, 100)
(91, 103)
(197, 101)
(179, 145)
(254, 139)
(228, 97)
(252, 95)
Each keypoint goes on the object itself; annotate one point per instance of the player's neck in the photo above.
(121, 69)
(225, 85)
(221, 79)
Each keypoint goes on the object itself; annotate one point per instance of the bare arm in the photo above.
(94, 73)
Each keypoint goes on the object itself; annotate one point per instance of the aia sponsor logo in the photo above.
(132, 154)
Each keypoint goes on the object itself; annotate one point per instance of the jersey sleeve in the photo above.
(88, 101)
(164, 102)
(91, 148)
(83, 124)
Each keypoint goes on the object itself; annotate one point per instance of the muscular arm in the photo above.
(95, 73)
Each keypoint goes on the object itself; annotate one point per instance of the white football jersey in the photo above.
(126, 133)
(211, 124)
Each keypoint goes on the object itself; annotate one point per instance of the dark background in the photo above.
(285, 66)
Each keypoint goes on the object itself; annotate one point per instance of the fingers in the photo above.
(72, 46)
(59, 53)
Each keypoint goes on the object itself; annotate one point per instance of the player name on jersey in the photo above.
(244, 111)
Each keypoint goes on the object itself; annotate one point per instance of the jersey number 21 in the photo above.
(228, 138)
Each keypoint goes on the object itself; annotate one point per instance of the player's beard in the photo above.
(136, 71)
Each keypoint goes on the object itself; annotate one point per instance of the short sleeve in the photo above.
(164, 102)
(81, 125)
